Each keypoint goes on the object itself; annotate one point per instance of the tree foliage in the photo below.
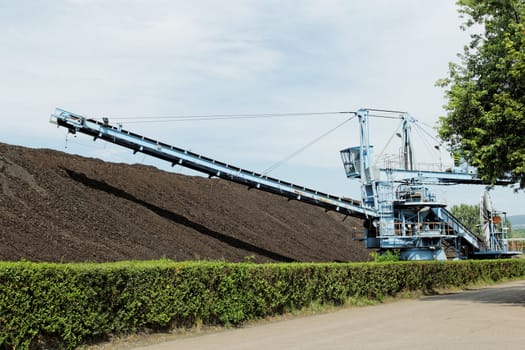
(486, 90)
(517, 233)
(468, 215)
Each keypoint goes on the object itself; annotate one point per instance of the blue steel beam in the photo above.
(213, 168)
(435, 177)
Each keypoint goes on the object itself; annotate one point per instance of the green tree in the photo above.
(486, 90)
(518, 233)
(468, 215)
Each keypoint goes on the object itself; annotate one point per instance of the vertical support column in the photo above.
(408, 154)
(366, 160)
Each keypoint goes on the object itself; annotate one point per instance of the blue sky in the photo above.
(148, 58)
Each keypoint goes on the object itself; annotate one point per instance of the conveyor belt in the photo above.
(178, 156)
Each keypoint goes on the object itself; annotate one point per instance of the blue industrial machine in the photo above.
(409, 216)
(399, 211)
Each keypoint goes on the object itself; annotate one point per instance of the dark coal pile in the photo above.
(59, 207)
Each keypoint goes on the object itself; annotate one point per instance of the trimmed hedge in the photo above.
(64, 305)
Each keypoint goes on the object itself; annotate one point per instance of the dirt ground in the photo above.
(60, 207)
(486, 318)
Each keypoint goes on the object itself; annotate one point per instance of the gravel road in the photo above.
(486, 318)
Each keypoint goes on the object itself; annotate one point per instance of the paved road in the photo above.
(487, 318)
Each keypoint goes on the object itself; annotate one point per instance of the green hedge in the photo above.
(64, 305)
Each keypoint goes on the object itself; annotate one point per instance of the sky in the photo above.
(138, 58)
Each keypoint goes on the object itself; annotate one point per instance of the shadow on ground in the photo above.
(513, 295)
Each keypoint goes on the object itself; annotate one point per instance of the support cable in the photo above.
(422, 131)
(208, 117)
(380, 155)
(427, 133)
(317, 139)
(180, 118)
(425, 142)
